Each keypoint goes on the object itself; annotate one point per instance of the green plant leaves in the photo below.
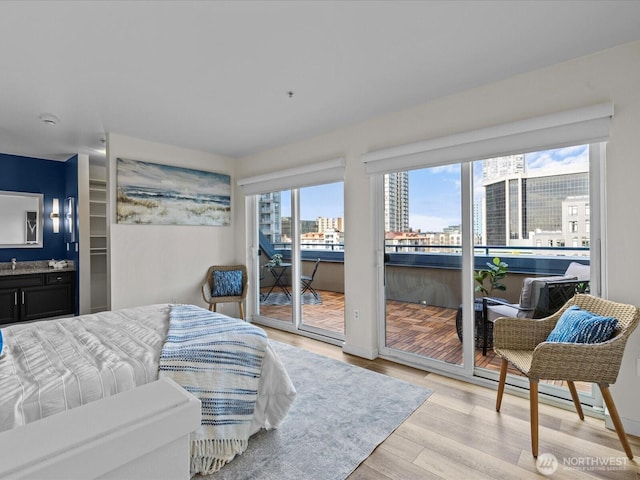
(495, 272)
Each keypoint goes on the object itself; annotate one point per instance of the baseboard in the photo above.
(369, 354)
(632, 427)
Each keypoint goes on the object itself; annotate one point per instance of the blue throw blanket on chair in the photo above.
(218, 359)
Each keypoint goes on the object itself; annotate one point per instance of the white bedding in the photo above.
(51, 366)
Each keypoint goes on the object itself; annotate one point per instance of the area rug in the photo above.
(340, 415)
(280, 298)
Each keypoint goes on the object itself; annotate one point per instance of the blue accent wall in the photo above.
(52, 179)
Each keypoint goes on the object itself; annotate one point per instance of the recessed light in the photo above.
(49, 119)
(290, 93)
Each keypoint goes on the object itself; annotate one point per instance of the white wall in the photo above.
(165, 263)
(83, 234)
(612, 75)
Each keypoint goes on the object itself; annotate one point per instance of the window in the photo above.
(528, 207)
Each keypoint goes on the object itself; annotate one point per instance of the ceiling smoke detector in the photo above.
(49, 119)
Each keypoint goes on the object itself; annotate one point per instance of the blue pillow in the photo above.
(582, 326)
(227, 283)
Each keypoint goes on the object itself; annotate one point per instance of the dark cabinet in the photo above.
(35, 296)
(9, 305)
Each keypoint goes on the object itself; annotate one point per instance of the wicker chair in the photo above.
(521, 342)
(208, 287)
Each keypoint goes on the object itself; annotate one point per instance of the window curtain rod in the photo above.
(570, 127)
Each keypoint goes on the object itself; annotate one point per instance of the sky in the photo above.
(434, 193)
(320, 201)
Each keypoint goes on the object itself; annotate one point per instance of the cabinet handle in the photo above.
(23, 297)
(15, 298)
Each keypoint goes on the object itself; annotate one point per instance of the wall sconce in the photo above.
(69, 220)
(55, 215)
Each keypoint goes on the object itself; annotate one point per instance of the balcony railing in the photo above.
(521, 259)
(432, 273)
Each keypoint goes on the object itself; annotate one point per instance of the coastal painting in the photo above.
(150, 193)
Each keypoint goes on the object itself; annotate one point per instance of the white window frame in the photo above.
(586, 125)
(293, 179)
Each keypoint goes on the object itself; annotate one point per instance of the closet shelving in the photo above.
(98, 243)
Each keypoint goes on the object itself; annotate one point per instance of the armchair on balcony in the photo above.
(225, 283)
(539, 298)
(572, 345)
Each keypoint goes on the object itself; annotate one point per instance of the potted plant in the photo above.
(495, 273)
(275, 261)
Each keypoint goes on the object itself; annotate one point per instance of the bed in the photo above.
(52, 366)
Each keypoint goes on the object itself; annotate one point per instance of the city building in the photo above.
(329, 239)
(518, 205)
(396, 202)
(269, 214)
(324, 223)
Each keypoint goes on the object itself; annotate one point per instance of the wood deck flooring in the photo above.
(424, 330)
(421, 329)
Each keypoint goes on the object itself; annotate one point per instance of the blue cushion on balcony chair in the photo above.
(227, 283)
(582, 326)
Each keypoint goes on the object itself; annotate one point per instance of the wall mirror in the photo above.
(21, 220)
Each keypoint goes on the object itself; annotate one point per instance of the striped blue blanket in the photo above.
(218, 359)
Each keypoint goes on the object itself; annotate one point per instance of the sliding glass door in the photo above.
(321, 234)
(423, 276)
(523, 216)
(275, 256)
(533, 213)
(301, 259)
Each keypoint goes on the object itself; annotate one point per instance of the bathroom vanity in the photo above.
(34, 290)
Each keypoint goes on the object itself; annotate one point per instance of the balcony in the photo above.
(423, 294)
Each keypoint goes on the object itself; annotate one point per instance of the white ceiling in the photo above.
(214, 76)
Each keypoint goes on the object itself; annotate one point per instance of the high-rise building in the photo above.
(518, 205)
(396, 202)
(478, 222)
(269, 213)
(500, 167)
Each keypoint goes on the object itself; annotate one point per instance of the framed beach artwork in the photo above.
(150, 193)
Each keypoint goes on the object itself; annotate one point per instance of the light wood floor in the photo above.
(457, 434)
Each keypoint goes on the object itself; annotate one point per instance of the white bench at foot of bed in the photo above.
(141, 433)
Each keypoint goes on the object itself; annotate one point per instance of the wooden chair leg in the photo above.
(576, 399)
(503, 377)
(210, 307)
(241, 312)
(615, 418)
(533, 405)
(215, 306)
